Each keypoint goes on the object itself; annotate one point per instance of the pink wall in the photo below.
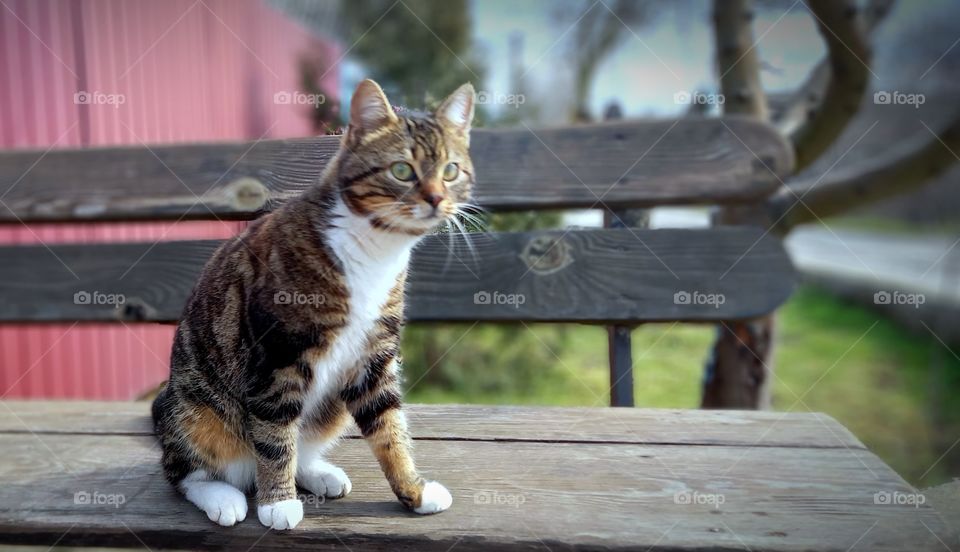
(187, 71)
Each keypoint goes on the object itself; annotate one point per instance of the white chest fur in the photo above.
(372, 260)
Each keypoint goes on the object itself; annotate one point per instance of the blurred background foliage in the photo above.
(419, 53)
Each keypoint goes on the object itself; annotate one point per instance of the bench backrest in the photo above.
(593, 275)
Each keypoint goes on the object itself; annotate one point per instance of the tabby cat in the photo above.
(294, 327)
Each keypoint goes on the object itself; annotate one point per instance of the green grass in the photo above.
(870, 374)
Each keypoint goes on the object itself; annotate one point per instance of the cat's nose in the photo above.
(433, 199)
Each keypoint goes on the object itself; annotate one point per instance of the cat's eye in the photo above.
(451, 171)
(402, 171)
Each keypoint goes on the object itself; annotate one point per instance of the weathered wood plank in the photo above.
(592, 276)
(702, 161)
(494, 423)
(507, 496)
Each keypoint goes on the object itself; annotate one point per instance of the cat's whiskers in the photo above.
(471, 206)
(446, 264)
(464, 210)
(466, 238)
(479, 223)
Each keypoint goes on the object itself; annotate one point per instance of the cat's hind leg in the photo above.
(222, 502)
(320, 433)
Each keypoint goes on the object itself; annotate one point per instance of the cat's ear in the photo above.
(457, 109)
(369, 108)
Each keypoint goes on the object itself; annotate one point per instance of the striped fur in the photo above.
(293, 329)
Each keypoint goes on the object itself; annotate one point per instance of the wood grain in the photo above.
(592, 276)
(495, 423)
(630, 164)
(507, 496)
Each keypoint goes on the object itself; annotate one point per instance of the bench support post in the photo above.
(619, 344)
(621, 365)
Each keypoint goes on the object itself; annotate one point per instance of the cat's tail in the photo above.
(160, 407)
(152, 393)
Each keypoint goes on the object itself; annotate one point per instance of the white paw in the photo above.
(324, 479)
(282, 515)
(435, 498)
(223, 503)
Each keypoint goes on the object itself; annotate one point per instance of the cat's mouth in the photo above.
(424, 213)
(420, 218)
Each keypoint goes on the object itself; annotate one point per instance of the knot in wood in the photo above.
(546, 254)
(135, 309)
(248, 194)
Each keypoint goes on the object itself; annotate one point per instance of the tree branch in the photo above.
(790, 110)
(904, 169)
(737, 59)
(848, 56)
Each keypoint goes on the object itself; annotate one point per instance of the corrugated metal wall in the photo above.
(187, 71)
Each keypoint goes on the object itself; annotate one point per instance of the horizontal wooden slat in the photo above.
(592, 276)
(704, 161)
(507, 496)
(495, 423)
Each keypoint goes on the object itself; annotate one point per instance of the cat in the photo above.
(293, 329)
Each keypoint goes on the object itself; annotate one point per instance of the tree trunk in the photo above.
(738, 372)
(737, 375)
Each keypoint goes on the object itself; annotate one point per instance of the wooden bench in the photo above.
(522, 477)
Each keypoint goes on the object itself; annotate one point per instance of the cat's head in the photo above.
(406, 172)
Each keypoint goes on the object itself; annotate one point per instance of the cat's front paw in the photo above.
(282, 515)
(434, 498)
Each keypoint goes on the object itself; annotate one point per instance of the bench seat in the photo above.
(87, 473)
